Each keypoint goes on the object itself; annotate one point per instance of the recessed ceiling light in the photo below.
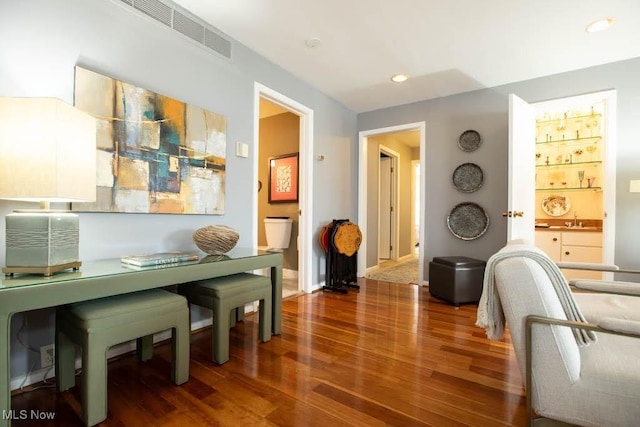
(313, 42)
(399, 78)
(600, 25)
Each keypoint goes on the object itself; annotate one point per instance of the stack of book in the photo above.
(159, 259)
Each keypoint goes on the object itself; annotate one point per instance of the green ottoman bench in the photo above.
(223, 295)
(96, 325)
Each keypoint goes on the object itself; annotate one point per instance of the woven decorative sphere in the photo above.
(216, 239)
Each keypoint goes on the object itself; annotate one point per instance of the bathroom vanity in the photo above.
(572, 244)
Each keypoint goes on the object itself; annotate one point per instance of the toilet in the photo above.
(278, 231)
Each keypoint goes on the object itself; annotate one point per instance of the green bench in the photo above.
(223, 295)
(96, 325)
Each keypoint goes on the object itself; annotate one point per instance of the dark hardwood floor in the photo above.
(386, 354)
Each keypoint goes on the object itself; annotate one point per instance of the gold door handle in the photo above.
(512, 214)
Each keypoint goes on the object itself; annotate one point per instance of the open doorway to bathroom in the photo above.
(301, 239)
(279, 135)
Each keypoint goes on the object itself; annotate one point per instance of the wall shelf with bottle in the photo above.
(569, 188)
(573, 126)
(569, 151)
(566, 164)
(579, 140)
(591, 116)
(564, 178)
(562, 154)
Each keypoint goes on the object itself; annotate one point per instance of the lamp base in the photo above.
(46, 271)
(41, 242)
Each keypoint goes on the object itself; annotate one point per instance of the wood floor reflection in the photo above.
(385, 354)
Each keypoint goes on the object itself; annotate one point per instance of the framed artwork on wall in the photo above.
(283, 178)
(155, 154)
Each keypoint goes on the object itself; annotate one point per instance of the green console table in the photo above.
(103, 278)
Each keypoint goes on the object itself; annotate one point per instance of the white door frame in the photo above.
(394, 238)
(305, 184)
(414, 220)
(362, 190)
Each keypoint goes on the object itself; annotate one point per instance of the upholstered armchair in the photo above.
(575, 371)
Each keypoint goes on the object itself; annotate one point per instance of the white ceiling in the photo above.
(445, 46)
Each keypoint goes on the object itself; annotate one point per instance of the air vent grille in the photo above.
(155, 9)
(188, 27)
(216, 42)
(166, 13)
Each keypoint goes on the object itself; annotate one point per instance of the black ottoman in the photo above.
(456, 279)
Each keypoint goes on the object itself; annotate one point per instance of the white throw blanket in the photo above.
(490, 315)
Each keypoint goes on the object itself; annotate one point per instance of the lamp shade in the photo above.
(47, 151)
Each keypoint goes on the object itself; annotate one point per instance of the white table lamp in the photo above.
(47, 154)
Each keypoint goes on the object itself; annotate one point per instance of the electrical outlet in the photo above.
(46, 356)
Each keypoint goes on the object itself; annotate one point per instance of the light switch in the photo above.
(634, 186)
(242, 149)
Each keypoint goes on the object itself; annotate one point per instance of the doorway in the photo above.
(403, 221)
(301, 238)
(571, 181)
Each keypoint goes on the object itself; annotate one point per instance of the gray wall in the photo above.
(487, 112)
(42, 42)
(44, 39)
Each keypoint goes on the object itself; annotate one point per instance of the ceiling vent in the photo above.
(181, 21)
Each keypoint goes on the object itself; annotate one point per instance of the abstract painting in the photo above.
(155, 154)
(283, 178)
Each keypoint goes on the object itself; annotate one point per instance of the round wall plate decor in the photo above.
(468, 221)
(468, 177)
(469, 140)
(556, 205)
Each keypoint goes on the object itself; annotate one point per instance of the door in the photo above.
(305, 232)
(521, 194)
(384, 232)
